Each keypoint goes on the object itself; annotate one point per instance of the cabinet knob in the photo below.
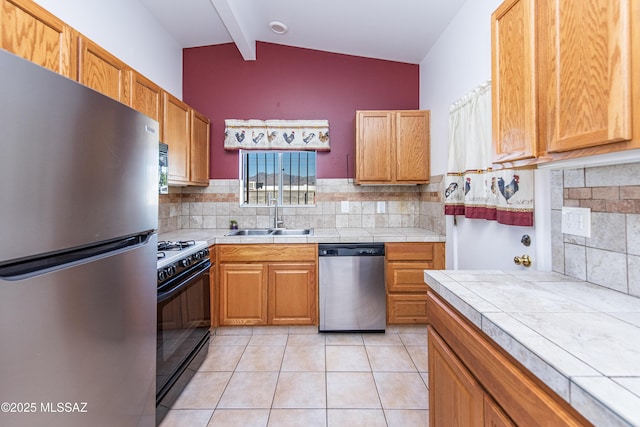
(523, 260)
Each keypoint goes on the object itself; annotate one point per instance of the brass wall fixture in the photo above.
(523, 260)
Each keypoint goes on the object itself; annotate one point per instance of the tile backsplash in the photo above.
(611, 256)
(214, 206)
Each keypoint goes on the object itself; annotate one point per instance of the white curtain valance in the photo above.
(276, 134)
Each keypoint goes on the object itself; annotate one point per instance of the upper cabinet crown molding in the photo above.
(568, 93)
(392, 147)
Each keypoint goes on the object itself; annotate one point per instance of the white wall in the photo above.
(457, 63)
(127, 30)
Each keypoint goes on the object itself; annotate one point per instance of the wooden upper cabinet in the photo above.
(587, 67)
(146, 97)
(103, 72)
(176, 134)
(392, 147)
(412, 146)
(199, 156)
(374, 151)
(513, 30)
(29, 31)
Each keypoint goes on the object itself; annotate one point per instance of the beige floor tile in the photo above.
(406, 329)
(203, 391)
(306, 339)
(298, 418)
(222, 358)
(187, 418)
(304, 358)
(402, 390)
(239, 418)
(381, 339)
(390, 358)
(270, 330)
(407, 417)
(249, 390)
(414, 339)
(261, 358)
(268, 339)
(234, 330)
(351, 390)
(300, 390)
(420, 357)
(230, 339)
(356, 418)
(347, 358)
(297, 330)
(344, 339)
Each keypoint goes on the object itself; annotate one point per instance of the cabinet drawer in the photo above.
(407, 276)
(411, 251)
(406, 309)
(267, 252)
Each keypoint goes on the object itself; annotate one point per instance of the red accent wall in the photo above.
(293, 83)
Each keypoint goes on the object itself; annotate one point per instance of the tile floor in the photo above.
(294, 376)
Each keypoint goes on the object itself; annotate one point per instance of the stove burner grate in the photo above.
(168, 245)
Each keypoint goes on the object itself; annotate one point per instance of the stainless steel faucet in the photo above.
(276, 222)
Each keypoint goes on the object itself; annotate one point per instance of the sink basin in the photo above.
(250, 232)
(271, 232)
(292, 232)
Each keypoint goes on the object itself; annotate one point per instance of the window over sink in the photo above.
(288, 176)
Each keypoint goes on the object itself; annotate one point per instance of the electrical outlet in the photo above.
(576, 221)
(344, 206)
(380, 207)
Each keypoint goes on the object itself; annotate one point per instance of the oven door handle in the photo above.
(171, 292)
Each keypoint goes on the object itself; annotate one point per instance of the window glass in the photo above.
(289, 176)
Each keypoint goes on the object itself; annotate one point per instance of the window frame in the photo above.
(280, 183)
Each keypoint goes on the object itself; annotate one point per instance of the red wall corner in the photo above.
(292, 83)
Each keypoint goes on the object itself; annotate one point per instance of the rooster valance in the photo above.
(472, 188)
(276, 134)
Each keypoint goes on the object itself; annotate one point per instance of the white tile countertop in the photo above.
(582, 340)
(320, 235)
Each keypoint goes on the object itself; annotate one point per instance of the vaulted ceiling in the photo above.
(395, 30)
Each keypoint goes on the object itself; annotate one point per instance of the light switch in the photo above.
(576, 221)
(344, 206)
(380, 207)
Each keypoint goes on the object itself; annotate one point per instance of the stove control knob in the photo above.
(186, 262)
(161, 275)
(171, 270)
(198, 255)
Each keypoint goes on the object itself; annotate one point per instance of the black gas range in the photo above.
(184, 318)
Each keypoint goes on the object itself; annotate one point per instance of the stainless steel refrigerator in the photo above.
(78, 220)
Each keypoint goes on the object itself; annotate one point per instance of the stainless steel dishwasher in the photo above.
(352, 292)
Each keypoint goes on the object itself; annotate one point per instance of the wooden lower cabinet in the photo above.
(459, 399)
(404, 270)
(243, 294)
(258, 287)
(292, 294)
(474, 382)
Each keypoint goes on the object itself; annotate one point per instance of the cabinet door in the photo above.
(455, 397)
(494, 416)
(374, 146)
(412, 147)
(514, 112)
(146, 97)
(407, 309)
(103, 72)
(292, 294)
(243, 294)
(33, 33)
(589, 67)
(200, 129)
(177, 135)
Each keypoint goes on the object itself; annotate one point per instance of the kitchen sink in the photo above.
(271, 232)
